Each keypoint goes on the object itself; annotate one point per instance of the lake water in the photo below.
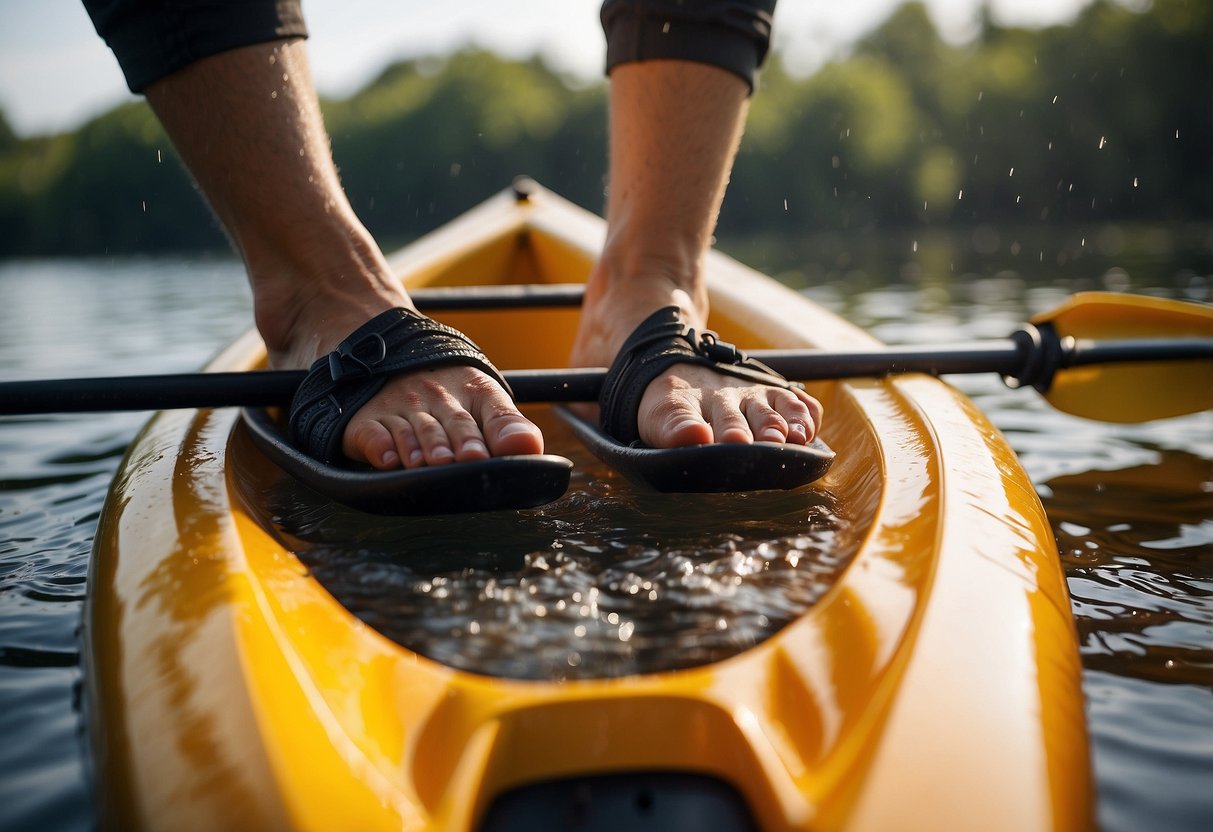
(1131, 506)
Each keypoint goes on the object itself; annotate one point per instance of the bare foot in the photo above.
(690, 404)
(431, 417)
(264, 163)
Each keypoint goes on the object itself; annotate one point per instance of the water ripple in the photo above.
(602, 583)
(1130, 504)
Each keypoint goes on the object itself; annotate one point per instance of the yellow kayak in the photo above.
(934, 685)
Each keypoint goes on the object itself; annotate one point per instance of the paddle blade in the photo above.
(1136, 392)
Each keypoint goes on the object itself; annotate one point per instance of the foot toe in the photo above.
(370, 441)
(513, 435)
(673, 421)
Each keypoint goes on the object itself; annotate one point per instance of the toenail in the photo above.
(515, 428)
(389, 458)
(416, 458)
(475, 446)
(443, 452)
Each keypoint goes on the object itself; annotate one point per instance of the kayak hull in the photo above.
(936, 685)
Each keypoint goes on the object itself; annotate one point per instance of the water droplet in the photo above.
(1102, 141)
(1012, 172)
(913, 247)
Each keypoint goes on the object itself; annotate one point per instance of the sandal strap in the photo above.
(659, 342)
(392, 343)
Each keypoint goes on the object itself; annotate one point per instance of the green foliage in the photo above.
(8, 139)
(1110, 118)
(112, 186)
(430, 139)
(1102, 120)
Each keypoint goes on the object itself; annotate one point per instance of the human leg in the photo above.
(675, 127)
(247, 124)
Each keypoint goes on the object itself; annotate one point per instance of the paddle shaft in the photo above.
(1007, 357)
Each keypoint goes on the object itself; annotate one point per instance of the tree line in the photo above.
(1109, 118)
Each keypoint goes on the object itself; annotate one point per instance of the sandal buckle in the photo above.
(722, 352)
(345, 361)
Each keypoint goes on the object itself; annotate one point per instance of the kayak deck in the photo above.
(937, 682)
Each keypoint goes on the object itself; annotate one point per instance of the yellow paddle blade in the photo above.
(1131, 392)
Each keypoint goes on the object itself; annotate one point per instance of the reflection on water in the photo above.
(1162, 551)
(606, 582)
(1137, 545)
(63, 319)
(1132, 507)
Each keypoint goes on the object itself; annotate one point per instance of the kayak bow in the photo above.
(936, 684)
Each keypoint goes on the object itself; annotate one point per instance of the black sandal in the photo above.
(661, 341)
(393, 343)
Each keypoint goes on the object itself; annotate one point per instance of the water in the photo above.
(605, 582)
(1132, 508)
(59, 320)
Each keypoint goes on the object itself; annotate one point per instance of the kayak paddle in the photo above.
(1111, 357)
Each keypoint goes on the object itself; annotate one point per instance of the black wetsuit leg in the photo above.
(152, 38)
(732, 34)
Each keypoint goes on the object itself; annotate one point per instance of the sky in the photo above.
(55, 72)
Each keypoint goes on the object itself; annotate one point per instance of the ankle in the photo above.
(304, 303)
(638, 283)
(617, 301)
